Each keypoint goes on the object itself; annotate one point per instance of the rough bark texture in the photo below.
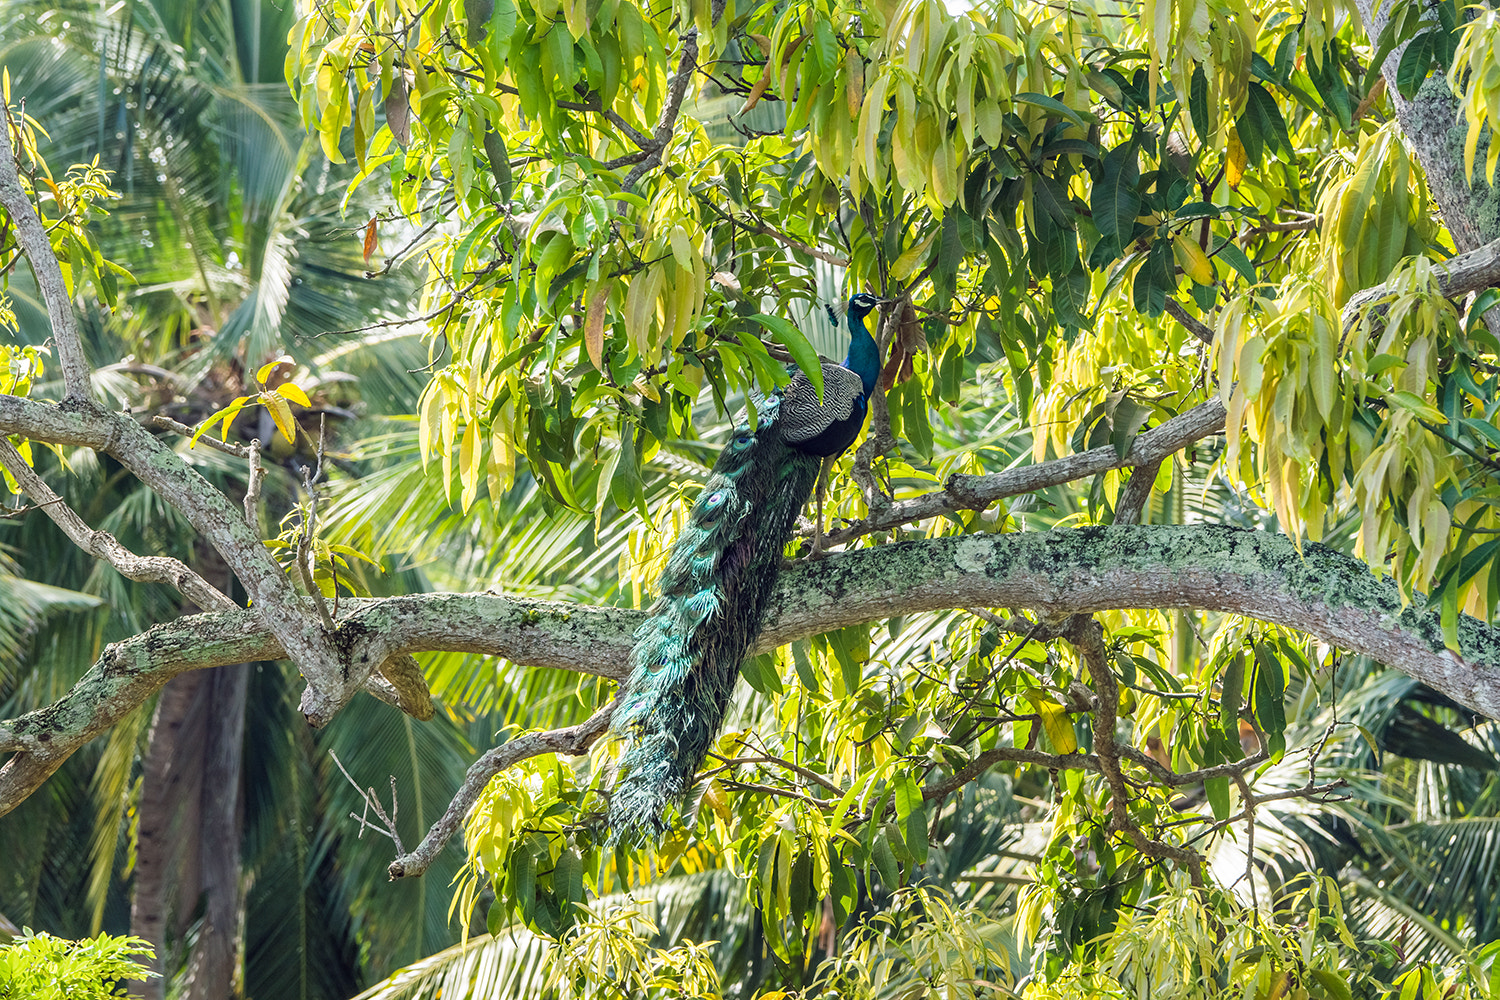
(1434, 130)
(1209, 567)
(169, 776)
(214, 967)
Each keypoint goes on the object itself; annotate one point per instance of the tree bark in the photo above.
(214, 968)
(1435, 131)
(171, 775)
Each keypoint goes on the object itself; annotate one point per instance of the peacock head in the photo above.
(862, 303)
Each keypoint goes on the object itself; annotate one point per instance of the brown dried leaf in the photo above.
(398, 110)
(593, 328)
(370, 239)
(758, 89)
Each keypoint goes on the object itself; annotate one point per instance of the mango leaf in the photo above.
(1053, 105)
(264, 371)
(294, 392)
(785, 333)
(281, 413)
(227, 415)
(1415, 62)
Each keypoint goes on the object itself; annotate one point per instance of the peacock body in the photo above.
(718, 575)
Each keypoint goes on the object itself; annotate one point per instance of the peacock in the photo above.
(718, 575)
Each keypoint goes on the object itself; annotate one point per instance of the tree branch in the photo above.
(33, 241)
(1458, 276)
(667, 121)
(1206, 567)
(333, 674)
(103, 545)
(964, 492)
(572, 740)
(1087, 636)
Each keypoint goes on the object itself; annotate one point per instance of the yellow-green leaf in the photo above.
(294, 392)
(281, 413)
(264, 371)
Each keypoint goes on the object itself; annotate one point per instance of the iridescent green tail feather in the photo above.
(707, 615)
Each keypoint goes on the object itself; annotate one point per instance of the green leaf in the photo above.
(1236, 259)
(567, 879)
(1415, 62)
(1116, 202)
(1229, 697)
(1053, 105)
(1216, 790)
(907, 795)
(825, 49)
(1198, 102)
(1251, 137)
(1155, 279)
(785, 333)
(1272, 125)
(885, 861)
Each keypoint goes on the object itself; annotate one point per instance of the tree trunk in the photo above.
(188, 852)
(214, 972)
(1435, 131)
(171, 784)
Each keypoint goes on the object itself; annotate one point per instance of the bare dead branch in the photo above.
(387, 825)
(571, 740)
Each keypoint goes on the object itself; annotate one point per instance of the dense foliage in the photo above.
(1090, 219)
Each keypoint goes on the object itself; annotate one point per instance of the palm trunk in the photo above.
(214, 971)
(171, 777)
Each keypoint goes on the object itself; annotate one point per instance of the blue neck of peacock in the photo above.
(864, 356)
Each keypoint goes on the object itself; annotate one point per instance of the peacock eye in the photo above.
(714, 499)
(742, 439)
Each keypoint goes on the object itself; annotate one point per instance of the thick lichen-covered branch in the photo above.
(1057, 573)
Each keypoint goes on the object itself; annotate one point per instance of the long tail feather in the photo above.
(687, 653)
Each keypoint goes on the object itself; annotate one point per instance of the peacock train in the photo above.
(718, 575)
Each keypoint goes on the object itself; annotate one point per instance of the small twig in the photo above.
(766, 758)
(372, 804)
(306, 554)
(1000, 877)
(395, 258)
(784, 793)
(16, 513)
(1249, 815)
(751, 222)
(427, 317)
(227, 447)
